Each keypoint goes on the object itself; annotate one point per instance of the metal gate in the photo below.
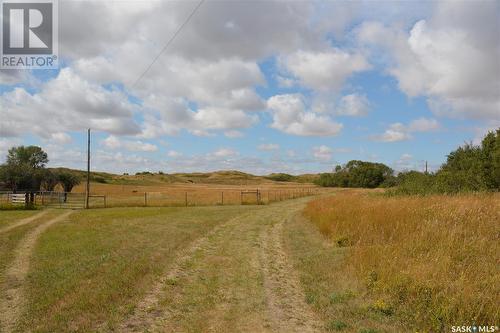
(61, 200)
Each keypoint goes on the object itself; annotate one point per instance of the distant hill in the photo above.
(231, 177)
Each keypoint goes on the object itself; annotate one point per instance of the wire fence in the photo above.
(168, 198)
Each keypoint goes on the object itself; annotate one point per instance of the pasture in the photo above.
(350, 261)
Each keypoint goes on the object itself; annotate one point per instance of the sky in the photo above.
(259, 86)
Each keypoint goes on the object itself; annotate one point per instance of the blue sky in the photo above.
(260, 87)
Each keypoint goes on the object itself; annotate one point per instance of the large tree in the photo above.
(24, 168)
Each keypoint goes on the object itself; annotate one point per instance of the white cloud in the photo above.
(66, 103)
(326, 70)
(399, 132)
(174, 154)
(322, 153)
(353, 105)
(114, 142)
(450, 58)
(61, 138)
(395, 132)
(423, 125)
(290, 116)
(140, 146)
(268, 146)
(218, 118)
(405, 162)
(225, 153)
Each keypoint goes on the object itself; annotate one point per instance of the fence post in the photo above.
(186, 198)
(104, 201)
(145, 199)
(222, 198)
(241, 198)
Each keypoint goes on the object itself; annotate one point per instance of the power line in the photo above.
(169, 42)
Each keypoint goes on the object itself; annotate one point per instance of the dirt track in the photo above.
(236, 278)
(23, 221)
(13, 298)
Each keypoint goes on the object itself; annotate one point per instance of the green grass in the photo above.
(10, 239)
(7, 217)
(93, 268)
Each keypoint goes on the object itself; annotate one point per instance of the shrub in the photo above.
(357, 174)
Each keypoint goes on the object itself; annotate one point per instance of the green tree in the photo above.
(27, 156)
(357, 174)
(68, 180)
(24, 168)
(490, 160)
(50, 180)
(463, 170)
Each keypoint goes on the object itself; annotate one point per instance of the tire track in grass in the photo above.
(247, 247)
(220, 291)
(23, 221)
(12, 292)
(147, 310)
(287, 308)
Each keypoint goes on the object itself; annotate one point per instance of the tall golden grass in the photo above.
(432, 261)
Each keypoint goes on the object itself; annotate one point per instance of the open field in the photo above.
(431, 262)
(350, 261)
(195, 194)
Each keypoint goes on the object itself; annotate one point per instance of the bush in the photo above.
(468, 169)
(357, 174)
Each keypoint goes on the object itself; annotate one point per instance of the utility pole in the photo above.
(425, 166)
(87, 188)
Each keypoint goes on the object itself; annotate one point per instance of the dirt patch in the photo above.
(287, 309)
(23, 221)
(13, 296)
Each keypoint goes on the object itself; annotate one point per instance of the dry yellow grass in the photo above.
(432, 262)
(194, 194)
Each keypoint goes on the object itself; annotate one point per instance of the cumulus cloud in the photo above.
(290, 116)
(353, 105)
(326, 70)
(450, 58)
(399, 132)
(114, 142)
(66, 103)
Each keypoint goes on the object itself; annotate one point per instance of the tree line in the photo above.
(24, 170)
(469, 168)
